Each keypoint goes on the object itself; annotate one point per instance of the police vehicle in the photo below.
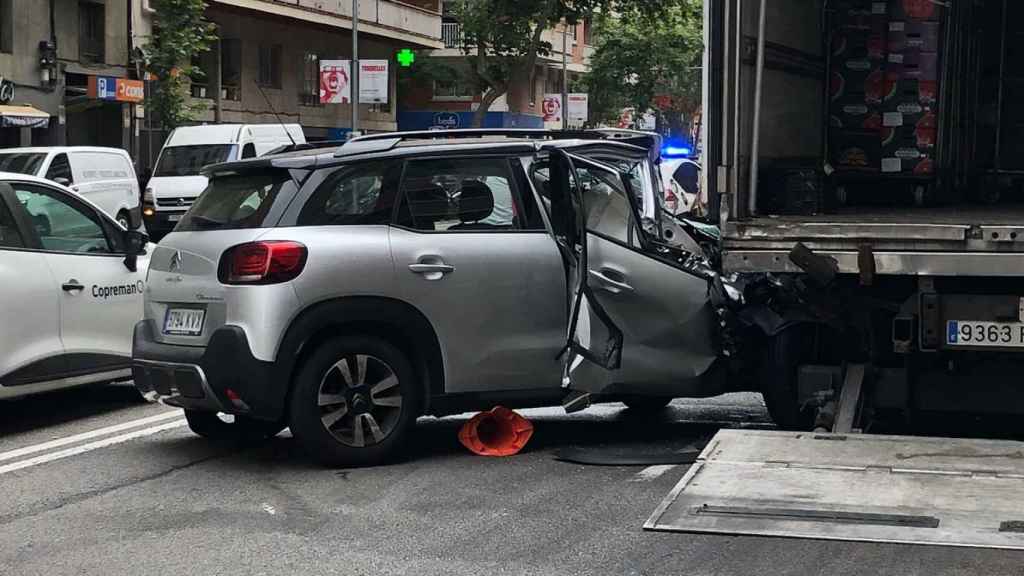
(71, 285)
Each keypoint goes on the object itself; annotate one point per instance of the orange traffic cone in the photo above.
(498, 432)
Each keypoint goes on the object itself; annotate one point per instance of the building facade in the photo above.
(451, 102)
(69, 73)
(269, 54)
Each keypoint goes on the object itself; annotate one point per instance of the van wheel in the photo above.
(783, 355)
(227, 428)
(646, 404)
(123, 220)
(354, 402)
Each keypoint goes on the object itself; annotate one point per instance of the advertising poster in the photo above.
(552, 108)
(373, 82)
(578, 109)
(334, 81)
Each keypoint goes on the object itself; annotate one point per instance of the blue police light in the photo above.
(675, 151)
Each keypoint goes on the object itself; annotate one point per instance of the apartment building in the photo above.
(451, 102)
(269, 54)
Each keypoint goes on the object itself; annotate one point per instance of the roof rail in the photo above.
(386, 141)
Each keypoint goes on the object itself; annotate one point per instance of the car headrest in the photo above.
(476, 201)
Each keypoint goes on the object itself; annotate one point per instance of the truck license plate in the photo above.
(998, 334)
(174, 217)
(184, 321)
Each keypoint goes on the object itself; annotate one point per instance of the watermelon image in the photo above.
(874, 86)
(924, 167)
(928, 91)
(838, 85)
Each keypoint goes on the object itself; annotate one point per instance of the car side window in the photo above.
(60, 168)
(249, 151)
(453, 195)
(605, 204)
(10, 237)
(62, 223)
(351, 195)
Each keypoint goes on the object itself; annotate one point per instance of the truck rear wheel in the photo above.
(779, 369)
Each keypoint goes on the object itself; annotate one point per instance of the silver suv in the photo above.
(344, 293)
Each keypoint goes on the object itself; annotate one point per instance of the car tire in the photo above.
(123, 219)
(354, 402)
(211, 426)
(784, 353)
(646, 404)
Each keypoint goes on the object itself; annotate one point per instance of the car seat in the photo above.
(476, 202)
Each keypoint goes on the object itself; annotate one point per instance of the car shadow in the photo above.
(63, 406)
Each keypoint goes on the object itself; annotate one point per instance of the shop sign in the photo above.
(116, 89)
(447, 120)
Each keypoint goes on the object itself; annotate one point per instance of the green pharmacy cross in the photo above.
(406, 57)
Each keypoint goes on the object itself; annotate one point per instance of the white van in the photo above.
(176, 181)
(104, 176)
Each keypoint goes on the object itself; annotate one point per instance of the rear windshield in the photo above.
(235, 201)
(22, 162)
(189, 160)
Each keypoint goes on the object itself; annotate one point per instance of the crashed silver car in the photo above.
(345, 292)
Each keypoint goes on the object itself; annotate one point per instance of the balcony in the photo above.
(414, 21)
(451, 34)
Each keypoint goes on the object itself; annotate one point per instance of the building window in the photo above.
(92, 25)
(309, 94)
(6, 26)
(588, 31)
(575, 34)
(452, 89)
(230, 71)
(270, 66)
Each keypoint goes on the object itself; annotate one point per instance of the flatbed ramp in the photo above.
(950, 492)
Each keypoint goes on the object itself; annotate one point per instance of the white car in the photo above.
(103, 176)
(681, 177)
(73, 281)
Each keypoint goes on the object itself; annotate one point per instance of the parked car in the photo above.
(177, 178)
(682, 184)
(104, 176)
(345, 293)
(73, 283)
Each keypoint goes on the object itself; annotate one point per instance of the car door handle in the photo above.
(614, 285)
(71, 286)
(431, 268)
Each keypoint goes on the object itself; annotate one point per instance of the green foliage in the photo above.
(502, 38)
(180, 32)
(640, 56)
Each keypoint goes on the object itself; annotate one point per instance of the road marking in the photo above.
(269, 509)
(652, 472)
(43, 459)
(88, 435)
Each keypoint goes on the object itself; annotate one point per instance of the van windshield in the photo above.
(22, 162)
(235, 202)
(189, 160)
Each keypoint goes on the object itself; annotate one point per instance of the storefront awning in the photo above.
(23, 117)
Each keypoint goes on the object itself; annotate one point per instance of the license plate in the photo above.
(174, 217)
(184, 321)
(997, 334)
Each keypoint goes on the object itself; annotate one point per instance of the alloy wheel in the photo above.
(360, 400)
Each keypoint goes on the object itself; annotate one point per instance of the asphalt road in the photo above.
(97, 482)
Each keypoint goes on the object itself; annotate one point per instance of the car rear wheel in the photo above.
(231, 428)
(355, 400)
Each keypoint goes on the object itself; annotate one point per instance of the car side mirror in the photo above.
(135, 244)
(62, 181)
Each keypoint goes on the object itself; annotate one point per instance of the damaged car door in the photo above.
(641, 322)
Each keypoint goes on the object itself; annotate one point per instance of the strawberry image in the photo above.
(925, 130)
(876, 47)
(920, 9)
(928, 91)
(924, 167)
(873, 122)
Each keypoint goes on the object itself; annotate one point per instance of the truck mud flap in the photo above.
(910, 490)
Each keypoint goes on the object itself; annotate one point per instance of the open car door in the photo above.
(641, 321)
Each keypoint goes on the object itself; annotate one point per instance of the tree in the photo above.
(503, 38)
(180, 33)
(649, 62)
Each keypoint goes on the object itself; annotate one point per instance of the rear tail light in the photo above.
(269, 262)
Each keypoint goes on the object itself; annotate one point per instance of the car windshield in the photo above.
(189, 160)
(22, 162)
(235, 202)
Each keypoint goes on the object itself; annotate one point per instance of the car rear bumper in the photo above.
(221, 377)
